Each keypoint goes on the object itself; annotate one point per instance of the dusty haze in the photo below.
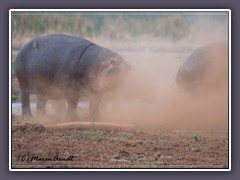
(150, 97)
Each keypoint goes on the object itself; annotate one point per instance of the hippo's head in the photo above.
(111, 73)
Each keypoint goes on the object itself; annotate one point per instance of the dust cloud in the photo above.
(150, 98)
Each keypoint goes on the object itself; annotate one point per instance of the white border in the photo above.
(229, 89)
(10, 92)
(119, 10)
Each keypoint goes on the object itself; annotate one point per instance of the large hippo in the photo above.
(206, 67)
(60, 66)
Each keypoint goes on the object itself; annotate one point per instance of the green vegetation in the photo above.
(40, 151)
(112, 25)
(16, 133)
(15, 97)
(123, 136)
(18, 165)
(141, 131)
(195, 138)
(89, 134)
(204, 148)
(197, 143)
(149, 164)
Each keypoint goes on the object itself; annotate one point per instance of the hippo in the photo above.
(59, 66)
(205, 68)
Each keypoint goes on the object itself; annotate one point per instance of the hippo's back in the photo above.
(206, 66)
(50, 54)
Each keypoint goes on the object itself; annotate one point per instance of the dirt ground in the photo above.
(34, 146)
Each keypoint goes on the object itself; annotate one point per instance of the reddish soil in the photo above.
(34, 146)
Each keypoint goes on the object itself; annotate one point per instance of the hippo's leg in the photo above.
(72, 102)
(41, 105)
(25, 98)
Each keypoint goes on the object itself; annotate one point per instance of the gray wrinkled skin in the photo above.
(206, 67)
(59, 66)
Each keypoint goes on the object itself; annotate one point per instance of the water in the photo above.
(17, 108)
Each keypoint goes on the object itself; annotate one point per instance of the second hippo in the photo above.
(206, 67)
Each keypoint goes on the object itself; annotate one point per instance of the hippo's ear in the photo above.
(113, 62)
